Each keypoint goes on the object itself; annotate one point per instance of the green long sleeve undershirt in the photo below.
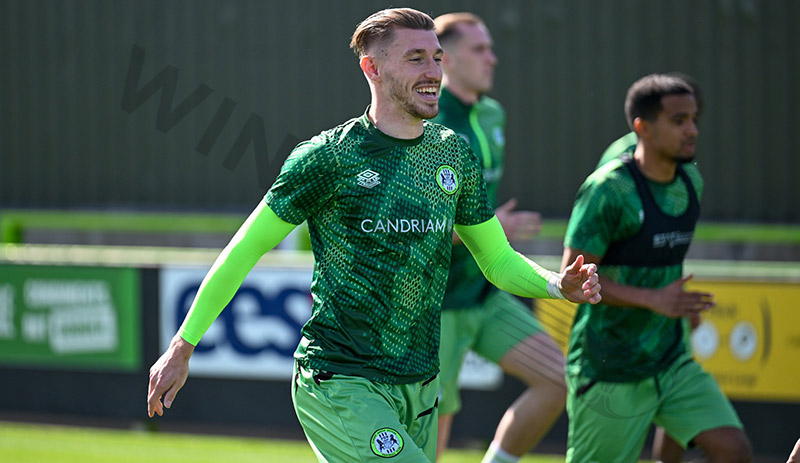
(263, 230)
(500, 263)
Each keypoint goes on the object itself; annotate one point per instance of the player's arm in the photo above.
(671, 300)
(261, 232)
(513, 272)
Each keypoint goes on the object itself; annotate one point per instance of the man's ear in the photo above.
(446, 60)
(641, 127)
(370, 68)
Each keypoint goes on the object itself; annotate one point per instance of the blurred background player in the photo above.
(628, 363)
(665, 449)
(377, 291)
(475, 314)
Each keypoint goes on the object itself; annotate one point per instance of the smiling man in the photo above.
(382, 195)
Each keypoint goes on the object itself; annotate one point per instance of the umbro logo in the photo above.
(368, 179)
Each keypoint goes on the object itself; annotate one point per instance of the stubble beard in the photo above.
(684, 157)
(405, 101)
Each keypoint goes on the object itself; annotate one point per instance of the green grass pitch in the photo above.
(35, 443)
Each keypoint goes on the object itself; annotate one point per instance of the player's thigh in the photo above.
(348, 418)
(608, 422)
(728, 444)
(693, 403)
(459, 328)
(536, 361)
(505, 322)
(512, 337)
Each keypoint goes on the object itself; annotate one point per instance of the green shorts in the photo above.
(490, 331)
(349, 418)
(608, 422)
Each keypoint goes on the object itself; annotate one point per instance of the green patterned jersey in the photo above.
(624, 344)
(380, 213)
(623, 145)
(482, 125)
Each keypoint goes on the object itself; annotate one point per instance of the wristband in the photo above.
(552, 286)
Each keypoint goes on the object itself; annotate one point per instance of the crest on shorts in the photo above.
(386, 442)
(447, 180)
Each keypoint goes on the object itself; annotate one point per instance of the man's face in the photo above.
(411, 72)
(470, 60)
(674, 132)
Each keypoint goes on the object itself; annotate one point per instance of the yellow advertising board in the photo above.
(750, 341)
(556, 315)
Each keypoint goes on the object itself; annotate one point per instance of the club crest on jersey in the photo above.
(368, 179)
(447, 180)
(386, 443)
(499, 138)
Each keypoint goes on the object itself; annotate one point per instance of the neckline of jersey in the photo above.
(373, 130)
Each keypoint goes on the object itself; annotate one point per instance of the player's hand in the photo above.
(695, 320)
(672, 301)
(168, 375)
(580, 282)
(518, 225)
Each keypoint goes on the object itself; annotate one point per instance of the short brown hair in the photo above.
(379, 26)
(447, 25)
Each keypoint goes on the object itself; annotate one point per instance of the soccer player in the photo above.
(665, 449)
(382, 194)
(628, 364)
(475, 314)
